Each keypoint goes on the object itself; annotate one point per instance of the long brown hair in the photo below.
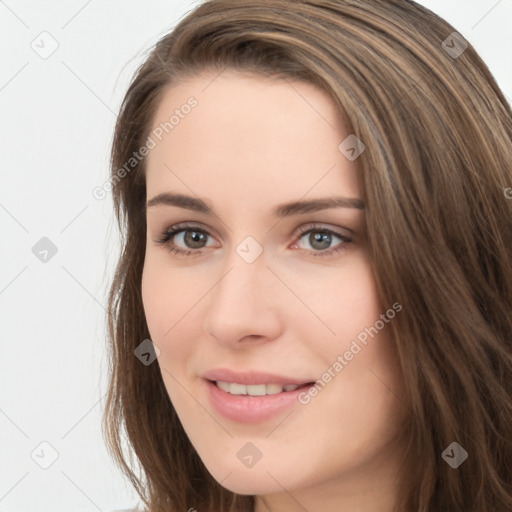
(435, 176)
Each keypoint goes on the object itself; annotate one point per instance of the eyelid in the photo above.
(184, 226)
(173, 230)
(318, 226)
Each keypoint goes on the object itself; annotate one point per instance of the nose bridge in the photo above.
(244, 273)
(241, 286)
(241, 302)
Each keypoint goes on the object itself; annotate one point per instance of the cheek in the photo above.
(156, 299)
(166, 295)
(370, 374)
(348, 304)
(172, 298)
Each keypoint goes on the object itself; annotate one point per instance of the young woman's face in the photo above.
(266, 282)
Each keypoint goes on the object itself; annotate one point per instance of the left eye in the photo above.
(321, 239)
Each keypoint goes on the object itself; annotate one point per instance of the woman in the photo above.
(312, 310)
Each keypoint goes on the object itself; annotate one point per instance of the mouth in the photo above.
(254, 402)
(252, 396)
(235, 388)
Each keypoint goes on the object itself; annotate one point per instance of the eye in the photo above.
(185, 239)
(319, 240)
(188, 239)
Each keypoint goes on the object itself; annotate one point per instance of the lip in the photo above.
(251, 409)
(252, 377)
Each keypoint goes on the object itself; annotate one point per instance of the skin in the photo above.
(251, 144)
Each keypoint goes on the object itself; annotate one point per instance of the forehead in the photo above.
(245, 129)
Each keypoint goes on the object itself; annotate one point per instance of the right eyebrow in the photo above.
(180, 200)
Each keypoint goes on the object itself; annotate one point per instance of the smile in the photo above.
(255, 389)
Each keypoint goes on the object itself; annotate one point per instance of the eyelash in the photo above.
(167, 236)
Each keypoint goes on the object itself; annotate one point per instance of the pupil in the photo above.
(194, 238)
(320, 240)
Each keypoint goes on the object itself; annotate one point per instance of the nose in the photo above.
(244, 305)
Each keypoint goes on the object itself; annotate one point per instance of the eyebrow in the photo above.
(282, 210)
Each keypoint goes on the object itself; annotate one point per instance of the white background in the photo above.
(56, 121)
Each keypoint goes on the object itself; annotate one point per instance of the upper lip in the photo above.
(251, 377)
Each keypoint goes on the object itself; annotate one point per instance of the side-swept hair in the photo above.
(436, 177)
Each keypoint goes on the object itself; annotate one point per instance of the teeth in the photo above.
(223, 385)
(238, 389)
(254, 389)
(273, 389)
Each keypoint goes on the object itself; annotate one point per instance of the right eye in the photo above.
(185, 239)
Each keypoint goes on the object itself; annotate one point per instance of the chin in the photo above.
(249, 485)
(247, 481)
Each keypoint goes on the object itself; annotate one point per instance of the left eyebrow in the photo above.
(314, 205)
(282, 210)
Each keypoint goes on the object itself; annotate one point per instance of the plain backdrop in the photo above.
(59, 243)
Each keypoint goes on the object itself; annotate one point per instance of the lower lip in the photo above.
(251, 409)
